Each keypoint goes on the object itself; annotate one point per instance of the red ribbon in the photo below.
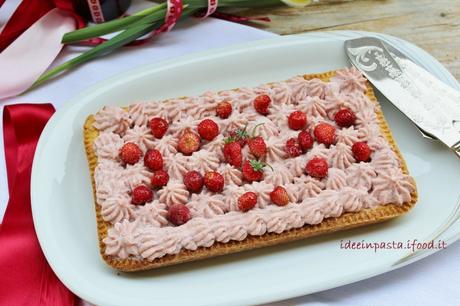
(28, 12)
(26, 278)
(173, 13)
(212, 7)
(95, 10)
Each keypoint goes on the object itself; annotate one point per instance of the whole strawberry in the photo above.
(345, 117)
(159, 178)
(297, 120)
(232, 153)
(178, 214)
(193, 181)
(188, 143)
(325, 133)
(208, 129)
(247, 201)
(130, 153)
(257, 146)
(214, 181)
(153, 160)
(279, 196)
(224, 110)
(158, 126)
(141, 195)
(361, 151)
(262, 103)
(253, 170)
(305, 140)
(317, 167)
(292, 148)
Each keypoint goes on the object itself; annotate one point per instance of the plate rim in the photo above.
(78, 100)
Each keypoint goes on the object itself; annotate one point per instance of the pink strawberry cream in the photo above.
(146, 231)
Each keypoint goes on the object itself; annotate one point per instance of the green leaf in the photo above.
(229, 140)
(256, 164)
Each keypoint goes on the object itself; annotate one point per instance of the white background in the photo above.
(432, 281)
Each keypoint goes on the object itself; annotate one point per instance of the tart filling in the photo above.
(348, 166)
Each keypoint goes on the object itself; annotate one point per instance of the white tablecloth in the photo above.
(432, 281)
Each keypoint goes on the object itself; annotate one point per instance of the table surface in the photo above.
(432, 25)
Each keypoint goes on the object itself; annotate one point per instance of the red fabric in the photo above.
(27, 13)
(26, 278)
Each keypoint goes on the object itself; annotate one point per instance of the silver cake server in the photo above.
(432, 105)
(401, 57)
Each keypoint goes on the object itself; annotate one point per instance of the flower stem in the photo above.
(156, 12)
(132, 27)
(121, 39)
(110, 26)
(133, 32)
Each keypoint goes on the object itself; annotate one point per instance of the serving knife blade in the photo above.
(401, 57)
(431, 105)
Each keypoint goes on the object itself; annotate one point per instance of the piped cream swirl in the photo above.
(112, 119)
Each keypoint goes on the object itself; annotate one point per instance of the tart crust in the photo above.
(347, 220)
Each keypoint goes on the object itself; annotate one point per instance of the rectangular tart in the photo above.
(140, 237)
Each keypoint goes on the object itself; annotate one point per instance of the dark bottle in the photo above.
(99, 11)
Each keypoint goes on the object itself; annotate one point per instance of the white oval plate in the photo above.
(63, 208)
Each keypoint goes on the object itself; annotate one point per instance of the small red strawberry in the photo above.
(153, 160)
(305, 140)
(159, 179)
(214, 181)
(193, 180)
(253, 170)
(232, 153)
(130, 153)
(345, 117)
(188, 143)
(141, 195)
(361, 151)
(178, 214)
(297, 120)
(208, 129)
(325, 133)
(279, 196)
(292, 147)
(257, 146)
(261, 104)
(240, 135)
(317, 167)
(224, 110)
(247, 201)
(158, 126)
